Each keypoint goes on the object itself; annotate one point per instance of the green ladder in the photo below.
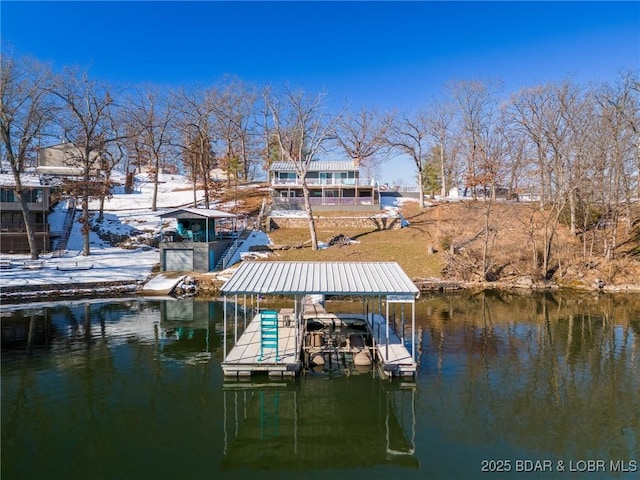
(268, 332)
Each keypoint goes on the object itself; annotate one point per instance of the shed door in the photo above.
(178, 260)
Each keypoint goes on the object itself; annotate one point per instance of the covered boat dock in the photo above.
(277, 342)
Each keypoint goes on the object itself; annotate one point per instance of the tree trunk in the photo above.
(86, 227)
(443, 191)
(195, 186)
(420, 189)
(572, 211)
(307, 207)
(154, 199)
(101, 212)
(485, 248)
(28, 221)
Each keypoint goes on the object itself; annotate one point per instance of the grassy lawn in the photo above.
(408, 247)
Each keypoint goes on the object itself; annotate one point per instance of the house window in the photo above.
(326, 178)
(7, 195)
(287, 176)
(32, 195)
(332, 193)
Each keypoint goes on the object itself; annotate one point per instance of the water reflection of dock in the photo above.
(319, 424)
(282, 343)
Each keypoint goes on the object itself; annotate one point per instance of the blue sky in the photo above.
(385, 54)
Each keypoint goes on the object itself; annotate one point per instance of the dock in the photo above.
(394, 359)
(282, 343)
(246, 358)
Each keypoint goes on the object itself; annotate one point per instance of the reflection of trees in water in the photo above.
(548, 372)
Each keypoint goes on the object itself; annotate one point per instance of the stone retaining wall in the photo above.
(376, 222)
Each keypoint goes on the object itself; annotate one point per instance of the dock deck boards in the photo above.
(244, 357)
(395, 359)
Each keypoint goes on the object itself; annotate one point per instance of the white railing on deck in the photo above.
(349, 182)
(282, 201)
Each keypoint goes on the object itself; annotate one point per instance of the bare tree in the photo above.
(409, 135)
(112, 156)
(25, 112)
(194, 122)
(439, 120)
(84, 120)
(150, 120)
(233, 108)
(302, 126)
(476, 103)
(527, 115)
(363, 137)
(617, 143)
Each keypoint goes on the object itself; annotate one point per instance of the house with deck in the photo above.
(331, 184)
(13, 234)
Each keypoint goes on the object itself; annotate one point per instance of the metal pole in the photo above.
(224, 328)
(386, 304)
(297, 329)
(413, 330)
(244, 305)
(402, 317)
(235, 320)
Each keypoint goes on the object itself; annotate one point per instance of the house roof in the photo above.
(186, 212)
(330, 278)
(27, 180)
(317, 166)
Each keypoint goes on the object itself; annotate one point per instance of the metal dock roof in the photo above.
(331, 278)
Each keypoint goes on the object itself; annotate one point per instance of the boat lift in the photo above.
(274, 341)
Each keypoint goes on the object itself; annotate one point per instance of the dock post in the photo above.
(224, 327)
(235, 320)
(413, 330)
(387, 330)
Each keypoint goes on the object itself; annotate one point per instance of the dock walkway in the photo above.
(244, 358)
(394, 358)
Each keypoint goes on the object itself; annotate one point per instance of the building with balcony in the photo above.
(332, 185)
(13, 233)
(200, 240)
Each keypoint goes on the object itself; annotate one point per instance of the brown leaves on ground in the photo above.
(450, 240)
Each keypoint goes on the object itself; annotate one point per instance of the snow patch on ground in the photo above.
(124, 214)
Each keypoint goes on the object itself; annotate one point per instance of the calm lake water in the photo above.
(539, 386)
